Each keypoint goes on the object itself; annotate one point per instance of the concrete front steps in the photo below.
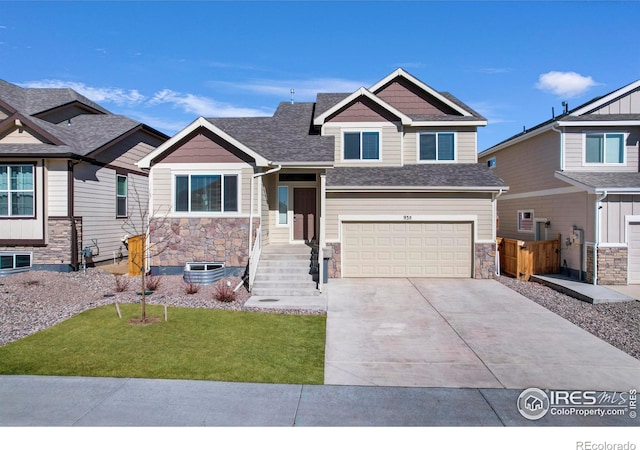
(285, 270)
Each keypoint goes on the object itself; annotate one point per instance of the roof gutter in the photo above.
(553, 128)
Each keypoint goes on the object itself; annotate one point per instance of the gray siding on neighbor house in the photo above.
(127, 152)
(562, 211)
(95, 202)
(409, 204)
(574, 144)
(465, 143)
(529, 165)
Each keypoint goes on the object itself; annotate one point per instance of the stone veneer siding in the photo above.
(57, 251)
(612, 265)
(201, 239)
(485, 260)
(335, 262)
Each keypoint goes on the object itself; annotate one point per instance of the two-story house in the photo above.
(68, 179)
(383, 182)
(577, 175)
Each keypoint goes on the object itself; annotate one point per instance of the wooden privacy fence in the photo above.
(136, 254)
(521, 259)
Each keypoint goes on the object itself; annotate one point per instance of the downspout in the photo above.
(494, 200)
(253, 177)
(596, 239)
(553, 127)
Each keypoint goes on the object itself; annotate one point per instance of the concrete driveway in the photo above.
(461, 333)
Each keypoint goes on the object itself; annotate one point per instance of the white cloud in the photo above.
(491, 111)
(97, 94)
(565, 84)
(202, 106)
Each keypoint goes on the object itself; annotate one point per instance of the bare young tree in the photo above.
(138, 224)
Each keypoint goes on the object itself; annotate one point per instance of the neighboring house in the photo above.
(382, 182)
(68, 178)
(577, 175)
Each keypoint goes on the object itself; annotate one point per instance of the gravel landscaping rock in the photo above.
(615, 323)
(33, 301)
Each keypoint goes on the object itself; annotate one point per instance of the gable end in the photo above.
(204, 146)
(411, 100)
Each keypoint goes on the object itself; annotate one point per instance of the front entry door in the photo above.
(304, 214)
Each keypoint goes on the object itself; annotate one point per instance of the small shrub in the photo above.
(153, 282)
(223, 292)
(122, 283)
(192, 288)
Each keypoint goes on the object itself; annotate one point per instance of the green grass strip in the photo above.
(196, 344)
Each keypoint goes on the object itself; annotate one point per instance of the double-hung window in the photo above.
(121, 196)
(437, 147)
(206, 193)
(604, 148)
(525, 221)
(17, 197)
(361, 145)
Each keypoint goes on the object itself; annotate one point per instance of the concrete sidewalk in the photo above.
(126, 402)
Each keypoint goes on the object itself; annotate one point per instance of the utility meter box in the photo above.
(576, 236)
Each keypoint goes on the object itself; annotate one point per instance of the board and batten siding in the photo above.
(574, 144)
(629, 104)
(95, 202)
(390, 143)
(27, 228)
(162, 180)
(57, 187)
(20, 136)
(465, 144)
(529, 165)
(409, 204)
(613, 214)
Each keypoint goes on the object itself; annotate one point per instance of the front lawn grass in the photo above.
(196, 344)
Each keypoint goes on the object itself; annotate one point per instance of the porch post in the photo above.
(321, 244)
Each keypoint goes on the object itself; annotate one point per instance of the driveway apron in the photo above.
(461, 333)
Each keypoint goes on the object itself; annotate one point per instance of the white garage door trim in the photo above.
(632, 237)
(443, 235)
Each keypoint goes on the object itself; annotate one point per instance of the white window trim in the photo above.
(437, 161)
(604, 164)
(126, 197)
(9, 191)
(533, 221)
(190, 213)
(361, 130)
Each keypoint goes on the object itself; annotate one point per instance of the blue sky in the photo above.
(166, 63)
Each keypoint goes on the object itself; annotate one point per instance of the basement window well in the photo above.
(14, 262)
(203, 272)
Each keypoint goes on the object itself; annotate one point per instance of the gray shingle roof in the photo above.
(31, 101)
(605, 180)
(285, 137)
(85, 132)
(416, 175)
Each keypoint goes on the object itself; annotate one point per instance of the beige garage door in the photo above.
(407, 249)
(634, 253)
